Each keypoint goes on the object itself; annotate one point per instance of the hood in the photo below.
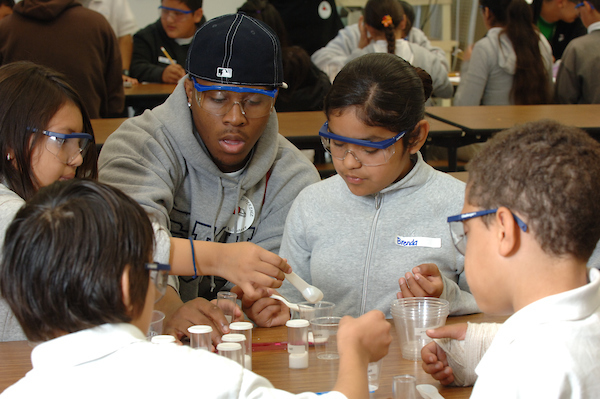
(507, 59)
(43, 10)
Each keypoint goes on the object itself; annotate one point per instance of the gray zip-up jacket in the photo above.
(159, 160)
(355, 248)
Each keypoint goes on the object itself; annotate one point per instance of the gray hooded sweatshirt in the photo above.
(487, 78)
(355, 248)
(159, 160)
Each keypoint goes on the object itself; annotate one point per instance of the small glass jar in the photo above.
(200, 337)
(163, 339)
(244, 327)
(240, 339)
(231, 350)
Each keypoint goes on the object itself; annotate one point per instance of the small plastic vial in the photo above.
(163, 339)
(231, 350)
(240, 339)
(298, 343)
(200, 337)
(244, 327)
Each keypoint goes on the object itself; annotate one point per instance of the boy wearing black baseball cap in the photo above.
(211, 166)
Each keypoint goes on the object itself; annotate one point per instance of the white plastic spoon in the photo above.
(290, 305)
(428, 391)
(310, 293)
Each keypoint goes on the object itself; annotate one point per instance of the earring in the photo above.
(8, 157)
(189, 103)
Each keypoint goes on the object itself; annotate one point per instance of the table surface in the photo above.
(492, 118)
(271, 361)
(150, 89)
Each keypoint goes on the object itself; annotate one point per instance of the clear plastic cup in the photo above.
(405, 387)
(373, 373)
(227, 302)
(325, 337)
(156, 324)
(412, 318)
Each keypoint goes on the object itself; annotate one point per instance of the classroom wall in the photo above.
(146, 11)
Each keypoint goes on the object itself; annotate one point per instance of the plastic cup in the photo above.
(309, 311)
(156, 324)
(325, 335)
(373, 373)
(200, 337)
(405, 387)
(244, 327)
(227, 302)
(412, 318)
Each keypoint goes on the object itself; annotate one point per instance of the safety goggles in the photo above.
(67, 147)
(159, 273)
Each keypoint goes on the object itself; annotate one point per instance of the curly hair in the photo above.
(550, 175)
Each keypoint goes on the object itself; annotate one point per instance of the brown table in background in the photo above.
(104, 128)
(271, 361)
(302, 129)
(147, 95)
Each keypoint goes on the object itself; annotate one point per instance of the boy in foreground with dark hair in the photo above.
(77, 276)
(532, 217)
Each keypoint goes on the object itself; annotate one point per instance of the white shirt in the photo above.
(548, 349)
(116, 361)
(117, 12)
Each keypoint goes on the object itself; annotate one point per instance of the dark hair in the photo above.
(376, 10)
(64, 255)
(30, 95)
(192, 4)
(386, 90)
(267, 13)
(409, 15)
(550, 175)
(531, 81)
(8, 3)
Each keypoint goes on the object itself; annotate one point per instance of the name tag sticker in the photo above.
(428, 242)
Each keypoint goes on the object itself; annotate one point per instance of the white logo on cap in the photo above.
(224, 72)
(324, 10)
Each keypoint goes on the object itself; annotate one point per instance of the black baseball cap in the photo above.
(236, 49)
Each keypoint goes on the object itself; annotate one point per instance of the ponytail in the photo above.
(385, 16)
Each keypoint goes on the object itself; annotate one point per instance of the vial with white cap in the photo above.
(244, 327)
(298, 343)
(240, 339)
(163, 339)
(231, 350)
(200, 337)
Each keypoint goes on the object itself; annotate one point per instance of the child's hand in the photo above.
(368, 335)
(434, 357)
(265, 311)
(252, 268)
(425, 280)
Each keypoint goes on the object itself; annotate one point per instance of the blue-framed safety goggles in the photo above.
(175, 10)
(382, 145)
(201, 88)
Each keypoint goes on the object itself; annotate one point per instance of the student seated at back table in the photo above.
(91, 326)
(382, 216)
(527, 231)
(578, 79)
(174, 31)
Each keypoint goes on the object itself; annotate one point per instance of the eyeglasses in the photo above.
(219, 100)
(457, 230)
(67, 147)
(176, 13)
(368, 153)
(159, 273)
(583, 3)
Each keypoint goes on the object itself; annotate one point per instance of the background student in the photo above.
(212, 168)
(91, 327)
(527, 231)
(173, 31)
(39, 112)
(382, 216)
(578, 79)
(512, 64)
(118, 13)
(332, 57)
(307, 84)
(557, 21)
(75, 41)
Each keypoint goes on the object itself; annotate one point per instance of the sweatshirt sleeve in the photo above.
(568, 85)
(113, 75)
